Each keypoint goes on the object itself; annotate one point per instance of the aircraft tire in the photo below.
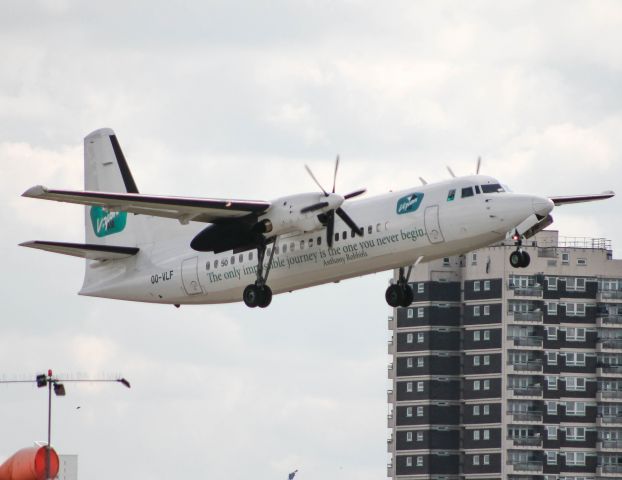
(265, 294)
(516, 259)
(394, 295)
(525, 259)
(252, 296)
(409, 296)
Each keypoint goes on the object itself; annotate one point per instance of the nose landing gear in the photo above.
(519, 258)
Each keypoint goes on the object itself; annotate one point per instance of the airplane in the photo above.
(185, 250)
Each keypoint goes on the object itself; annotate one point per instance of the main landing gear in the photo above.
(400, 294)
(519, 258)
(259, 294)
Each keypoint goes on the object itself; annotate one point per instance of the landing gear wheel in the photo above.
(516, 259)
(408, 295)
(252, 296)
(394, 295)
(265, 294)
(525, 259)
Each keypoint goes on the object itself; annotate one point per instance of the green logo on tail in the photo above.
(106, 222)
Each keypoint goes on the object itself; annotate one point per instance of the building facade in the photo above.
(514, 374)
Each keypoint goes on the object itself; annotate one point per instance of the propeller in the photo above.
(329, 216)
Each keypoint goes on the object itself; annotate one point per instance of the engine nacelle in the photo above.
(285, 216)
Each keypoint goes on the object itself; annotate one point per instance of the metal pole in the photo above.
(47, 457)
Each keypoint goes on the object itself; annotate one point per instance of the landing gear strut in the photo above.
(519, 258)
(400, 294)
(259, 294)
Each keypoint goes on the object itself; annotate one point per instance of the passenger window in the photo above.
(215, 263)
(232, 260)
(302, 244)
(344, 235)
(310, 242)
(451, 195)
(207, 265)
(477, 190)
(336, 237)
(276, 250)
(378, 227)
(285, 248)
(292, 247)
(319, 240)
(352, 233)
(241, 258)
(370, 230)
(250, 255)
(467, 192)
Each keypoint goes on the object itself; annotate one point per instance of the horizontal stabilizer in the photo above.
(582, 198)
(184, 209)
(89, 251)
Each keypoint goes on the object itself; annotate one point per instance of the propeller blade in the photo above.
(335, 175)
(315, 206)
(330, 228)
(479, 164)
(451, 172)
(355, 193)
(315, 180)
(349, 222)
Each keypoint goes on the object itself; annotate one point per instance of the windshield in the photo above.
(492, 188)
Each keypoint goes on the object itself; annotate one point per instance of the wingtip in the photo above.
(36, 191)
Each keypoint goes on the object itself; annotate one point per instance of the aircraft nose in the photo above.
(542, 206)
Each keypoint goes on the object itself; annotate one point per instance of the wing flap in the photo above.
(83, 250)
(184, 209)
(581, 198)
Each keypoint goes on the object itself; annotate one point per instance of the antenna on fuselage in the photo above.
(423, 182)
(451, 172)
(479, 164)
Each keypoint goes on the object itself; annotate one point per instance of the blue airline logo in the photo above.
(409, 203)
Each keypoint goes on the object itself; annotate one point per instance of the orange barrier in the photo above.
(29, 464)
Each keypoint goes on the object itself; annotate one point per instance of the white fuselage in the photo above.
(397, 231)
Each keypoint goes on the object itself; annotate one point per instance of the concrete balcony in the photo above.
(389, 396)
(609, 295)
(389, 470)
(526, 341)
(535, 291)
(526, 417)
(606, 445)
(520, 467)
(390, 444)
(527, 391)
(390, 421)
(609, 421)
(390, 371)
(390, 347)
(391, 323)
(525, 317)
(611, 370)
(606, 344)
(526, 441)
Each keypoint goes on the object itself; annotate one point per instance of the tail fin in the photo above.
(106, 170)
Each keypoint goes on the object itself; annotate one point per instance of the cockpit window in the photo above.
(477, 190)
(492, 188)
(451, 195)
(467, 192)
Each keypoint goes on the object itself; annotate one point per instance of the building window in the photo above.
(420, 312)
(475, 384)
(486, 409)
(551, 458)
(409, 436)
(486, 359)
(486, 334)
(409, 362)
(420, 436)
(420, 461)
(575, 434)
(551, 383)
(476, 335)
(575, 359)
(420, 287)
(581, 262)
(486, 310)
(551, 283)
(475, 434)
(476, 286)
(409, 387)
(575, 409)
(420, 386)
(476, 311)
(475, 410)
(551, 308)
(575, 458)
(419, 411)
(409, 461)
(475, 459)
(486, 434)
(551, 333)
(446, 262)
(565, 258)
(487, 285)
(409, 411)
(486, 459)
(420, 337)
(476, 360)
(575, 334)
(551, 408)
(420, 362)
(551, 432)
(474, 258)
(551, 358)
(409, 338)
(486, 384)
(409, 313)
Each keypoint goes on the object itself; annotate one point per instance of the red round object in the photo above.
(29, 464)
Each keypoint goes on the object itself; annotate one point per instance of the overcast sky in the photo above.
(231, 99)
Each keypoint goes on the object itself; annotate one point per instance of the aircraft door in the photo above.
(190, 276)
(432, 225)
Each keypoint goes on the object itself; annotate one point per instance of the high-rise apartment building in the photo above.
(513, 374)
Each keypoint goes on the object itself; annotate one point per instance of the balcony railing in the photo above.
(610, 294)
(609, 369)
(610, 342)
(529, 390)
(616, 444)
(526, 341)
(526, 416)
(605, 318)
(526, 316)
(526, 291)
(609, 419)
(526, 441)
(530, 466)
(528, 366)
(609, 393)
(609, 469)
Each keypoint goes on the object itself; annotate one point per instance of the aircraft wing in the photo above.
(184, 209)
(581, 198)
